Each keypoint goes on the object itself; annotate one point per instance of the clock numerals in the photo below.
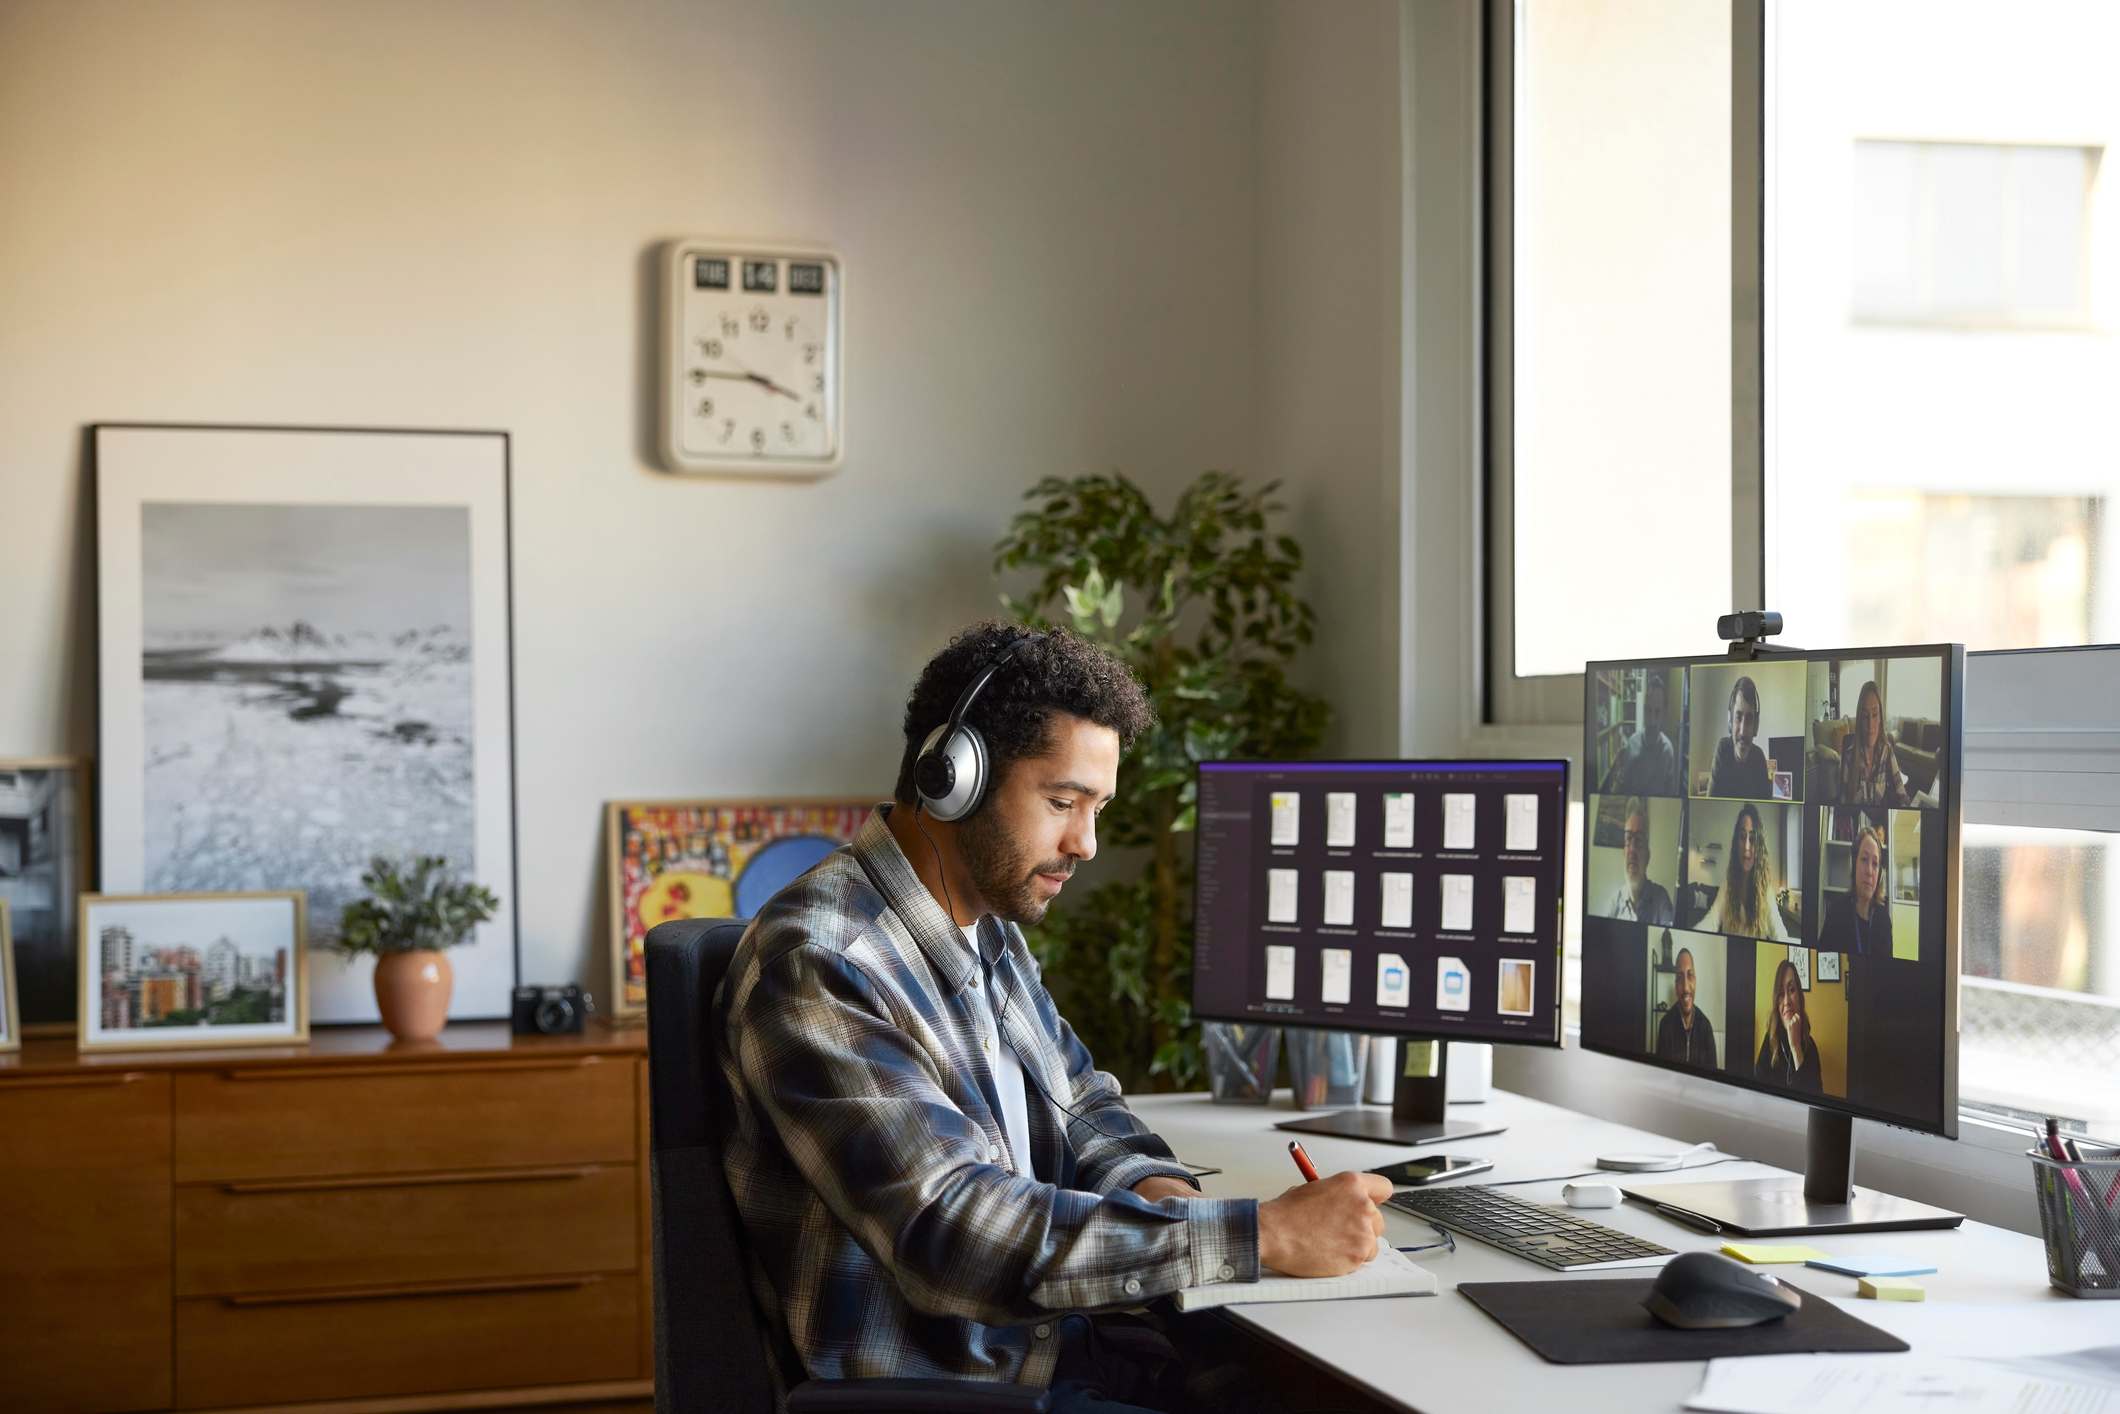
(787, 432)
(706, 407)
(760, 320)
(728, 429)
(758, 439)
(698, 376)
(809, 353)
(731, 327)
(817, 382)
(811, 413)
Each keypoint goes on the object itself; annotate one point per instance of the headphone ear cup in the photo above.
(951, 773)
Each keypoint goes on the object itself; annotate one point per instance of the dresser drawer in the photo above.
(84, 1241)
(301, 1234)
(234, 1350)
(318, 1121)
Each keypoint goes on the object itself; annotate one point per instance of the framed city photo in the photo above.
(672, 859)
(10, 1023)
(163, 970)
(44, 862)
(305, 663)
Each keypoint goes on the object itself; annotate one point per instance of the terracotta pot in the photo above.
(412, 991)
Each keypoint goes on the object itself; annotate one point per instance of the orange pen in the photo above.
(1310, 1170)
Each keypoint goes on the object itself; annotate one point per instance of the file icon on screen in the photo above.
(1394, 982)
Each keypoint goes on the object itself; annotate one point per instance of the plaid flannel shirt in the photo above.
(868, 1158)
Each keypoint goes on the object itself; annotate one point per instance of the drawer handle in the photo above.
(406, 1293)
(74, 1082)
(362, 1072)
(413, 1180)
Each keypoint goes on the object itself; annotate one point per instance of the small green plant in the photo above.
(1201, 604)
(409, 909)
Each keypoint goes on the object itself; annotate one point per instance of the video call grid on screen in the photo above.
(1396, 897)
(1841, 775)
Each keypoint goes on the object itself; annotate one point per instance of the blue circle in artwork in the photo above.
(776, 865)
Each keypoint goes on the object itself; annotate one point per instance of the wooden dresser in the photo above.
(459, 1223)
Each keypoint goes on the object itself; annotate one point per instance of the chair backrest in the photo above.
(709, 1347)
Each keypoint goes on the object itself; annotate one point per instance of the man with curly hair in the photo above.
(935, 1178)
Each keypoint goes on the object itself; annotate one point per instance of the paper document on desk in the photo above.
(1890, 1384)
(1389, 1273)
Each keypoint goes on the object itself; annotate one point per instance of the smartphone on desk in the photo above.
(1431, 1168)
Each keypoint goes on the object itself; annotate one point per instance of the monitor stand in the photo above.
(1418, 1113)
(1825, 1199)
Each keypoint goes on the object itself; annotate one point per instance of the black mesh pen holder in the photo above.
(2079, 1215)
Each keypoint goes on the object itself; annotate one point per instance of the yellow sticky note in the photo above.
(1891, 1289)
(1761, 1254)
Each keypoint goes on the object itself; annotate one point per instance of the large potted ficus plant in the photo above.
(412, 914)
(1201, 605)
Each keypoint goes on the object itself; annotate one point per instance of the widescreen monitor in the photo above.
(1419, 899)
(1770, 875)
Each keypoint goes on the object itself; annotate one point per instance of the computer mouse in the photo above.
(1699, 1291)
(1590, 1195)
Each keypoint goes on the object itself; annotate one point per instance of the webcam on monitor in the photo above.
(1751, 625)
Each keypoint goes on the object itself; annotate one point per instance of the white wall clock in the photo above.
(750, 378)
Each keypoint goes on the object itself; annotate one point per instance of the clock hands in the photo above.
(759, 378)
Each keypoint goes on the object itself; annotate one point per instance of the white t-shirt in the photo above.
(1001, 1060)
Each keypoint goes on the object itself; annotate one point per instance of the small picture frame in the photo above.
(45, 864)
(160, 971)
(1801, 957)
(10, 1019)
(1829, 967)
(670, 859)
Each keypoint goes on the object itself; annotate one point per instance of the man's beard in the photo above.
(1004, 874)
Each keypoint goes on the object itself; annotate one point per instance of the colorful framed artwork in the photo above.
(669, 859)
(10, 1021)
(168, 970)
(44, 861)
(306, 663)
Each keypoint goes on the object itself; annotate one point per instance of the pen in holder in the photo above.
(2079, 1215)
(1241, 1060)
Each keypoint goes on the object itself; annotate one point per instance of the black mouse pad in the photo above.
(1603, 1323)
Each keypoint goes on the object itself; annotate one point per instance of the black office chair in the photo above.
(711, 1347)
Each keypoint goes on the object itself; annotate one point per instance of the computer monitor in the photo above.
(1770, 899)
(1417, 899)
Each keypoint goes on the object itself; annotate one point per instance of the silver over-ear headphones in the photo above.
(953, 770)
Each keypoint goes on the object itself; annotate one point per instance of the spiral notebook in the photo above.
(1389, 1273)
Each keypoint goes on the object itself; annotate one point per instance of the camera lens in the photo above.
(555, 1015)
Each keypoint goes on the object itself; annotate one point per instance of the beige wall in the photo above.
(441, 214)
(1330, 256)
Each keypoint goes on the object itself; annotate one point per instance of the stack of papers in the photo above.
(2085, 1382)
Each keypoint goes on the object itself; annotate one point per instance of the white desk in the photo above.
(1441, 1354)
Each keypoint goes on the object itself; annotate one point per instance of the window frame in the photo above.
(1556, 700)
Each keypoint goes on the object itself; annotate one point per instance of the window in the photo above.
(1812, 307)
(1620, 341)
(1938, 450)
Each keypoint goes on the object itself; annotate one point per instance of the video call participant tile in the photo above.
(1745, 730)
(1636, 845)
(1744, 872)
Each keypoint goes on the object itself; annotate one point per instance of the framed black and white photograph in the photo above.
(306, 663)
(44, 859)
(162, 970)
(10, 1021)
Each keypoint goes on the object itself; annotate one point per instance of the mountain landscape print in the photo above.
(307, 695)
